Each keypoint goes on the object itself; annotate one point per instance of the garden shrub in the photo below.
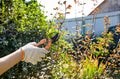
(20, 23)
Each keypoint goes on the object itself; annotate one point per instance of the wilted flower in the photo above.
(107, 20)
(64, 2)
(69, 7)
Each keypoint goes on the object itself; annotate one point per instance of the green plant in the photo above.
(65, 67)
(91, 70)
(21, 23)
(101, 47)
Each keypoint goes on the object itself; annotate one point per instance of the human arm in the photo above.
(28, 53)
(10, 60)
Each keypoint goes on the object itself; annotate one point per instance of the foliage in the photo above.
(91, 70)
(101, 47)
(65, 67)
(21, 23)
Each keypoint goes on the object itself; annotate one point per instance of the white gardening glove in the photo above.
(33, 54)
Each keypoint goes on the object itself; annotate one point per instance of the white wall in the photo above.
(114, 17)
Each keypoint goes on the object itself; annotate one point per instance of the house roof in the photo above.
(97, 7)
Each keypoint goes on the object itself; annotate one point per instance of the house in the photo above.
(110, 8)
(107, 6)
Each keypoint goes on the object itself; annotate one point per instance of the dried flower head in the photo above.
(64, 2)
(69, 7)
(107, 20)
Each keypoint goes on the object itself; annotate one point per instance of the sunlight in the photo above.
(76, 11)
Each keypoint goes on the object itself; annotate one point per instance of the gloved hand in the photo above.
(32, 53)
